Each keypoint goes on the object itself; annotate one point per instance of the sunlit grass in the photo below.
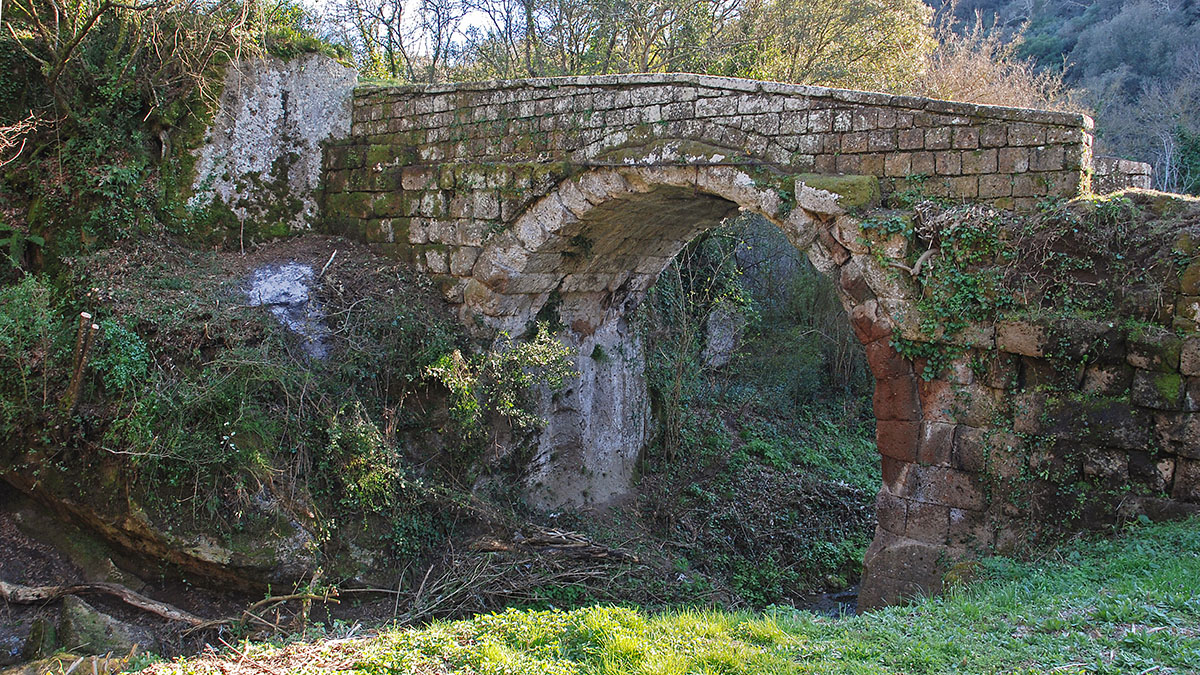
(1124, 605)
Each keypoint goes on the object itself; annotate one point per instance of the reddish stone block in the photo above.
(939, 401)
(897, 399)
(886, 363)
(870, 324)
(897, 475)
(898, 439)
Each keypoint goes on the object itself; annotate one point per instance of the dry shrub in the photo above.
(981, 66)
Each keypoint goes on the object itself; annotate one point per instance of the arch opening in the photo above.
(583, 257)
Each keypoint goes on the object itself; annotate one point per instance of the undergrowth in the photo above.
(1123, 605)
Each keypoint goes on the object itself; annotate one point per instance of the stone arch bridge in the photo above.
(571, 195)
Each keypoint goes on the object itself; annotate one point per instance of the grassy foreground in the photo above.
(1126, 605)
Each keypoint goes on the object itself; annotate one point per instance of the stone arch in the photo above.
(599, 240)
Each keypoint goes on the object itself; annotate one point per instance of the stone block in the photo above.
(1046, 158)
(1187, 480)
(1020, 337)
(1158, 390)
(1154, 348)
(979, 161)
(927, 522)
(1178, 433)
(898, 164)
(881, 140)
(891, 512)
(1107, 380)
(992, 186)
(910, 139)
(969, 530)
(1026, 134)
(898, 438)
(940, 400)
(897, 399)
(965, 187)
(1150, 471)
(897, 568)
(993, 135)
(1107, 422)
(1191, 394)
(965, 138)
(869, 323)
(462, 260)
(949, 487)
(1012, 160)
(937, 138)
(923, 163)
(936, 444)
(948, 163)
(1189, 357)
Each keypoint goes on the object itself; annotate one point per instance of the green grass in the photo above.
(1124, 605)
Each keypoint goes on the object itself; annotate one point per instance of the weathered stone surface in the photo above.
(1018, 337)
(900, 568)
(85, 630)
(263, 153)
(1155, 348)
(1189, 358)
(1161, 391)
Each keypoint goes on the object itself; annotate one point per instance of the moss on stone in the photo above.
(853, 191)
(1169, 385)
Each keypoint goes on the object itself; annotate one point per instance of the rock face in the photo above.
(85, 630)
(722, 334)
(287, 291)
(597, 426)
(262, 156)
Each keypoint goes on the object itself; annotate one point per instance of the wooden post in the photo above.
(85, 320)
(71, 400)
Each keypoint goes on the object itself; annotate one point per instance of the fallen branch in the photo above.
(31, 595)
(916, 268)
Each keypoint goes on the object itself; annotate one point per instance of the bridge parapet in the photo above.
(1007, 156)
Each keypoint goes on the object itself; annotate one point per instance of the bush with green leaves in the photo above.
(501, 381)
